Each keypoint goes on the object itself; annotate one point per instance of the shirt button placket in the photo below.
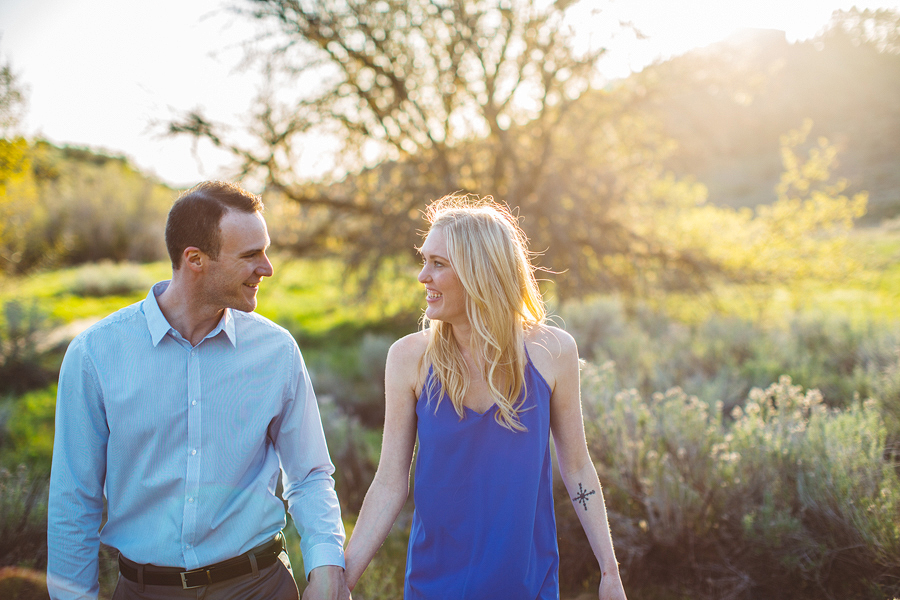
(192, 476)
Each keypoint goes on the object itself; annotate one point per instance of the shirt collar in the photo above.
(159, 326)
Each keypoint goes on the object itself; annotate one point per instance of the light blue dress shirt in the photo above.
(187, 444)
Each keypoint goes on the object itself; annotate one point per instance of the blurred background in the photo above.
(712, 188)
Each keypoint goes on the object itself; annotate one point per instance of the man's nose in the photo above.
(265, 269)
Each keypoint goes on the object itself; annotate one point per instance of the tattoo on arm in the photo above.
(583, 496)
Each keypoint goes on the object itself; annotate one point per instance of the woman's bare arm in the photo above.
(390, 487)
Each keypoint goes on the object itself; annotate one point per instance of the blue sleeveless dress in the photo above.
(483, 526)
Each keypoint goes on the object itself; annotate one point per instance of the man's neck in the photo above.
(186, 313)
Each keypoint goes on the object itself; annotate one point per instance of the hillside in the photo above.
(73, 205)
(727, 104)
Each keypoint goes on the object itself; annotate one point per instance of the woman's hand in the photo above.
(611, 587)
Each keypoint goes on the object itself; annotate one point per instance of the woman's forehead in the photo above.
(435, 242)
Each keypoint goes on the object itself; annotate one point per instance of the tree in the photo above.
(878, 28)
(799, 237)
(435, 96)
(18, 196)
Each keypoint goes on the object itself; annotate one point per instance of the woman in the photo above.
(482, 385)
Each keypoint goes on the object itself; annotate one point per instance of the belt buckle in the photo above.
(186, 574)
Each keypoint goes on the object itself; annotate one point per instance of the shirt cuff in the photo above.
(322, 555)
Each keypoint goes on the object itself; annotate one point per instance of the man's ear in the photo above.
(194, 258)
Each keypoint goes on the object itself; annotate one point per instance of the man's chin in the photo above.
(244, 305)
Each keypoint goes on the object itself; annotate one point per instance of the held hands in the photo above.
(326, 583)
(611, 587)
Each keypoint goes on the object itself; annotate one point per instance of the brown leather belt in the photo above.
(265, 555)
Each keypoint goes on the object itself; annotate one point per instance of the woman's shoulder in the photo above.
(553, 352)
(412, 345)
(551, 341)
(404, 358)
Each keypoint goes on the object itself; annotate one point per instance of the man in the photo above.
(182, 410)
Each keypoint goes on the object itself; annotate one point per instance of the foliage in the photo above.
(385, 575)
(23, 517)
(323, 307)
(791, 500)
(64, 206)
(727, 105)
(355, 448)
(21, 367)
(109, 279)
(800, 236)
(431, 97)
(878, 28)
(12, 100)
(722, 357)
(28, 430)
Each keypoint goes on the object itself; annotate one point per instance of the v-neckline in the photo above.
(480, 414)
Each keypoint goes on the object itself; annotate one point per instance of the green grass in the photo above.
(870, 293)
(55, 292)
(314, 299)
(310, 298)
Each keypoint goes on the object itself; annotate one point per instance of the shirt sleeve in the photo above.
(76, 480)
(308, 484)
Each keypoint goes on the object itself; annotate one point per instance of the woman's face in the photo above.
(444, 292)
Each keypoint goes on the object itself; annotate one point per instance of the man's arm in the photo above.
(308, 485)
(76, 480)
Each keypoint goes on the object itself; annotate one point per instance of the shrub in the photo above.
(790, 500)
(354, 450)
(353, 377)
(722, 358)
(385, 575)
(29, 430)
(23, 517)
(21, 368)
(110, 279)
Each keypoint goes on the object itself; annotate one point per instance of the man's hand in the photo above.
(326, 583)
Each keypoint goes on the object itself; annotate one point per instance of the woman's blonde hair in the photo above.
(488, 252)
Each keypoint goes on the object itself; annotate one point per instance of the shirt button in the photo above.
(191, 500)
(194, 403)
(193, 452)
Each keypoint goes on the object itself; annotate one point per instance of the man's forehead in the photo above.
(244, 228)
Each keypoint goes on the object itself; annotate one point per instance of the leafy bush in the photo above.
(354, 450)
(385, 575)
(110, 279)
(790, 500)
(28, 430)
(353, 377)
(21, 368)
(722, 358)
(23, 517)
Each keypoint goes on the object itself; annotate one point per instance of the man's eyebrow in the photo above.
(253, 251)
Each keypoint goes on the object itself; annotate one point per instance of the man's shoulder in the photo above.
(115, 324)
(259, 325)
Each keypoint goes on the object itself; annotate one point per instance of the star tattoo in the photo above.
(583, 496)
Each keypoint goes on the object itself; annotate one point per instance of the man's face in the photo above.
(232, 280)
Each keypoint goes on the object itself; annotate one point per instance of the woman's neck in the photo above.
(462, 334)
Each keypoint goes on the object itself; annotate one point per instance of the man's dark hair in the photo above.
(195, 217)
